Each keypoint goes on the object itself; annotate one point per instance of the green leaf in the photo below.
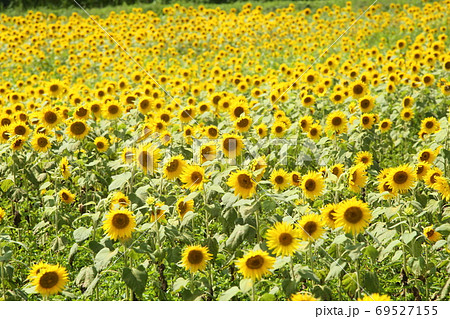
(6, 185)
(385, 252)
(72, 252)
(119, 180)
(230, 293)
(246, 285)
(335, 269)
(371, 282)
(45, 185)
(289, 287)
(322, 292)
(103, 257)
(82, 233)
(179, 284)
(407, 237)
(136, 279)
(91, 287)
(349, 283)
(305, 273)
(372, 252)
(6, 257)
(267, 297)
(237, 236)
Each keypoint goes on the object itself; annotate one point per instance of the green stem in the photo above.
(427, 290)
(253, 290)
(311, 263)
(3, 280)
(291, 264)
(128, 296)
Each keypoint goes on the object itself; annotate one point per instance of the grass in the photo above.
(157, 7)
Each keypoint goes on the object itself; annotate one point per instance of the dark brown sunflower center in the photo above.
(172, 167)
(243, 123)
(303, 123)
(165, 117)
(279, 129)
(358, 89)
(245, 181)
(310, 185)
(353, 214)
(313, 132)
(336, 121)
(196, 177)
(387, 187)
(113, 109)
(337, 97)
(145, 104)
(255, 262)
(49, 280)
(95, 108)
(285, 239)
(81, 112)
(406, 102)
(65, 196)
(18, 143)
(427, 79)
(120, 221)
(186, 113)
(5, 121)
(129, 100)
(279, 179)
(425, 156)
(429, 124)
(212, 131)
(122, 201)
(365, 104)
(430, 233)
(310, 78)
(433, 177)
(238, 111)
(182, 207)
(366, 120)
(331, 215)
(335, 171)
(195, 257)
(310, 227)
(100, 145)
(420, 168)
(42, 142)
(307, 100)
(230, 144)
(54, 88)
(384, 124)
(400, 177)
(365, 160)
(78, 128)
(295, 178)
(20, 130)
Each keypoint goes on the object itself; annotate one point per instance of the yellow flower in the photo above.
(354, 215)
(282, 239)
(184, 206)
(313, 185)
(303, 296)
(66, 196)
(311, 227)
(193, 177)
(101, 143)
(174, 167)
(194, 258)
(119, 224)
(255, 264)
(243, 183)
(279, 179)
(375, 297)
(50, 280)
(431, 234)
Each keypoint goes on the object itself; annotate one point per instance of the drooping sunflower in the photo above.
(40, 142)
(402, 178)
(296, 178)
(65, 168)
(193, 177)
(311, 227)
(147, 157)
(303, 296)
(422, 170)
(101, 143)
(431, 177)
(66, 196)
(375, 297)
(50, 280)
(364, 158)
(306, 122)
(208, 152)
(184, 206)
(232, 145)
(255, 264)
(174, 167)
(128, 155)
(119, 224)
(243, 183)
(431, 234)
(258, 167)
(337, 122)
(337, 170)
(313, 184)
(280, 179)
(329, 215)
(17, 143)
(357, 178)
(77, 129)
(354, 215)
(283, 239)
(119, 200)
(442, 185)
(194, 258)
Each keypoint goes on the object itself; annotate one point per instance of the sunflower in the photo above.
(312, 184)
(303, 296)
(422, 170)
(50, 280)
(261, 130)
(255, 264)
(193, 177)
(112, 110)
(208, 152)
(295, 178)
(258, 167)
(20, 129)
(358, 89)
(337, 122)
(66, 196)
(119, 224)
(311, 227)
(128, 155)
(184, 206)
(308, 100)
(145, 105)
(278, 129)
(375, 297)
(354, 215)
(280, 179)
(40, 142)
(337, 97)
(402, 178)
(211, 131)
(119, 199)
(2, 214)
(315, 132)
(443, 187)
(367, 120)
(431, 176)
(101, 143)
(407, 101)
(55, 88)
(357, 178)
(384, 186)
(242, 183)
(187, 114)
(174, 167)
(428, 79)
(337, 170)
(17, 143)
(243, 124)
(64, 168)
(306, 122)
(232, 145)
(385, 125)
(148, 157)
(158, 213)
(283, 239)
(430, 125)
(50, 118)
(367, 103)
(427, 155)
(364, 158)
(329, 215)
(431, 234)
(194, 258)
(78, 129)
(81, 113)
(407, 114)
(36, 270)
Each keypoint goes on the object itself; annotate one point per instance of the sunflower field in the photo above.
(211, 154)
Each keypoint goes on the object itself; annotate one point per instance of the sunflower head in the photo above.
(354, 215)
(313, 184)
(255, 264)
(194, 258)
(50, 280)
(119, 224)
(311, 227)
(174, 167)
(243, 183)
(193, 177)
(283, 239)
